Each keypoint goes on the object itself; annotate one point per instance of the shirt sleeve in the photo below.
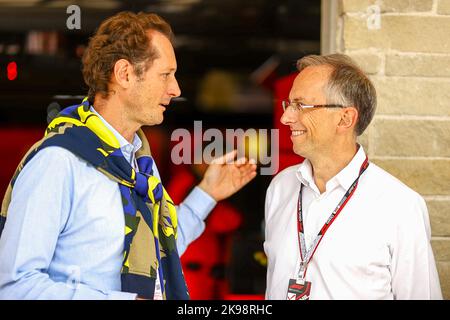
(191, 215)
(413, 269)
(192, 212)
(40, 206)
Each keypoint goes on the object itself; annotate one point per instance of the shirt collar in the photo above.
(128, 149)
(304, 174)
(344, 178)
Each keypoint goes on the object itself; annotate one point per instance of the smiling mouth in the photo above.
(296, 133)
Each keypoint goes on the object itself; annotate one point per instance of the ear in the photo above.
(349, 117)
(122, 72)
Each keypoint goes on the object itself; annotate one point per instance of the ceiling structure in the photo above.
(258, 19)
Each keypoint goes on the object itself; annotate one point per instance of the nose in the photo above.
(288, 117)
(174, 89)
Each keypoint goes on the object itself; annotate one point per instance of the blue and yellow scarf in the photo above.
(150, 215)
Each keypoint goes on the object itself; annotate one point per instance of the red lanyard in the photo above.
(306, 255)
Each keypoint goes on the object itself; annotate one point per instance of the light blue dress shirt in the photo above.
(64, 235)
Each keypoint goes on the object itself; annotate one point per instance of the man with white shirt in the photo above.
(337, 225)
(86, 215)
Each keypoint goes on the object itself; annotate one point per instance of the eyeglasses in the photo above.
(298, 106)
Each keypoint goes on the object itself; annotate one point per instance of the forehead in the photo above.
(310, 82)
(164, 48)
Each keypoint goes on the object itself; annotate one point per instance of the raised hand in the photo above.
(224, 176)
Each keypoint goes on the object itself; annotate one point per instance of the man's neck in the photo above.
(113, 112)
(330, 164)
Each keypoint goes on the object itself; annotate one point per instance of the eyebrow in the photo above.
(168, 69)
(299, 99)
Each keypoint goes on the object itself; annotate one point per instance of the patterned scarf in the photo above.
(150, 215)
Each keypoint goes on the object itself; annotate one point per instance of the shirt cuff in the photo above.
(120, 295)
(201, 201)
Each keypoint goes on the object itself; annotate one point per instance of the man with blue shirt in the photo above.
(86, 216)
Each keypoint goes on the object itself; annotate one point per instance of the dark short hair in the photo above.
(347, 85)
(122, 36)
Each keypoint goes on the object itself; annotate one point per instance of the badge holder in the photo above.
(299, 289)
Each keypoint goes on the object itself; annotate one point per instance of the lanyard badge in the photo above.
(298, 291)
(299, 288)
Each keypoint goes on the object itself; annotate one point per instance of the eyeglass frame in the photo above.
(300, 106)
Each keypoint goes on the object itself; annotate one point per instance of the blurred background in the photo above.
(235, 59)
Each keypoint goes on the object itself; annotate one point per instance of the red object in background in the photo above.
(14, 143)
(11, 71)
(287, 156)
(205, 259)
(158, 141)
(244, 297)
(282, 88)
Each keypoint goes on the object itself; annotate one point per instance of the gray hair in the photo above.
(348, 86)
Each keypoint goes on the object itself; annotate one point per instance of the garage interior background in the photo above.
(235, 58)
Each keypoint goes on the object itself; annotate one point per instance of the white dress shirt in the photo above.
(377, 248)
